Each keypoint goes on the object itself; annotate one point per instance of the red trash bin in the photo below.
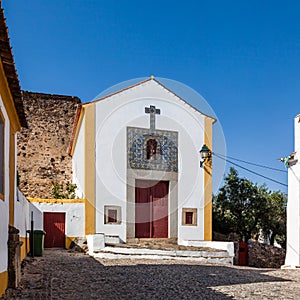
(243, 254)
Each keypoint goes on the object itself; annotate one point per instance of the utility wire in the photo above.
(250, 163)
(271, 179)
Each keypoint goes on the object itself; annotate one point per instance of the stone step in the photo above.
(138, 253)
(151, 240)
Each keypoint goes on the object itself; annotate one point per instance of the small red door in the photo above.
(151, 209)
(54, 226)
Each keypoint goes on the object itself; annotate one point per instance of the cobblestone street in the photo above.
(61, 274)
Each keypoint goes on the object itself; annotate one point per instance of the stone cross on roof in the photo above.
(152, 110)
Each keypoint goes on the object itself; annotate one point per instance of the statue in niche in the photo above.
(151, 149)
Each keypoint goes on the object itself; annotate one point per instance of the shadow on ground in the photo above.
(60, 274)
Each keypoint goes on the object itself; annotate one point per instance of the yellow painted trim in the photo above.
(89, 171)
(208, 182)
(12, 176)
(68, 241)
(25, 248)
(56, 201)
(8, 101)
(3, 282)
(77, 130)
(3, 168)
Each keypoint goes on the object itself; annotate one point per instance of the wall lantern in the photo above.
(205, 154)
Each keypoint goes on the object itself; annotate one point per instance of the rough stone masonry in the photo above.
(42, 148)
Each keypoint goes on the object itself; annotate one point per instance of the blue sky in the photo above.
(243, 57)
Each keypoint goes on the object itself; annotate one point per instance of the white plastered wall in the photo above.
(23, 210)
(78, 162)
(293, 206)
(74, 216)
(22, 221)
(113, 116)
(4, 205)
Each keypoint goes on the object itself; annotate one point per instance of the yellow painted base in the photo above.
(68, 241)
(3, 282)
(25, 248)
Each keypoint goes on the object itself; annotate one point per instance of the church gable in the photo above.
(155, 89)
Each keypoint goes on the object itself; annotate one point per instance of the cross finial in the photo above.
(152, 110)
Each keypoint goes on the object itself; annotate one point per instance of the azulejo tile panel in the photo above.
(166, 154)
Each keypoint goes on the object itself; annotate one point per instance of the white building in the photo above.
(136, 163)
(12, 118)
(293, 207)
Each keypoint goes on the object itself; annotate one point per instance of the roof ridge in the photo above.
(159, 83)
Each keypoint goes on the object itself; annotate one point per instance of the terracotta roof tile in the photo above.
(8, 63)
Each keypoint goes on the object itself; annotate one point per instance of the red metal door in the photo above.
(54, 226)
(151, 209)
(243, 254)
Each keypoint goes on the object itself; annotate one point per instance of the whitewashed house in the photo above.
(135, 157)
(12, 118)
(293, 207)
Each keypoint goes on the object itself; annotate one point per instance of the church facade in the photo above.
(136, 162)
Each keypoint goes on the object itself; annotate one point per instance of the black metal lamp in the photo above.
(205, 154)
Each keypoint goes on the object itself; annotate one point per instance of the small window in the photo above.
(189, 216)
(151, 149)
(1, 156)
(112, 214)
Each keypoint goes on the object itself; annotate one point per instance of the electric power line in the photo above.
(271, 179)
(250, 163)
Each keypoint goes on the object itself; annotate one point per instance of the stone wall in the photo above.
(265, 256)
(42, 148)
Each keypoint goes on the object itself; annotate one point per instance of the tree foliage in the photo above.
(61, 191)
(246, 209)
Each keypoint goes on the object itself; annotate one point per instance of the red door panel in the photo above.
(54, 226)
(160, 210)
(142, 211)
(151, 209)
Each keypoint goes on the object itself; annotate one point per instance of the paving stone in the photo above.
(62, 274)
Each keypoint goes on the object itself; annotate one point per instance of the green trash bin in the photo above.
(38, 238)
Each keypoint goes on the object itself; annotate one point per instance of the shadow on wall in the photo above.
(37, 217)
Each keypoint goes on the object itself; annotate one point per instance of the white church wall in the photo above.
(4, 204)
(113, 116)
(78, 162)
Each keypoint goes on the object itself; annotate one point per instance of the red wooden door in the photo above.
(151, 209)
(54, 226)
(142, 209)
(160, 209)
